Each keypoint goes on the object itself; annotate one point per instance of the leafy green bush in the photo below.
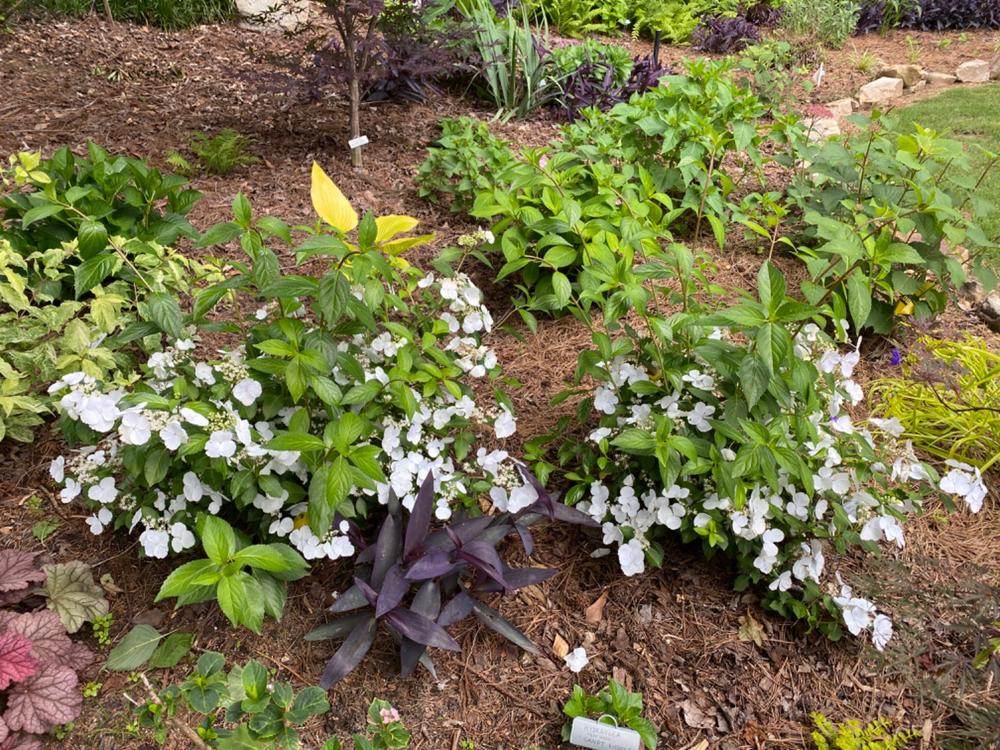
(945, 398)
(579, 18)
(733, 429)
(167, 14)
(884, 214)
(853, 735)
(620, 181)
(75, 277)
(245, 598)
(341, 390)
(564, 60)
(830, 21)
(615, 702)
(463, 161)
(675, 19)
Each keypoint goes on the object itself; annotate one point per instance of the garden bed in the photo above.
(680, 635)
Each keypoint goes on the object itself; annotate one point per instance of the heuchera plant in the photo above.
(38, 661)
(349, 385)
(417, 580)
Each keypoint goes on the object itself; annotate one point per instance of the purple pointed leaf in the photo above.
(519, 578)
(349, 600)
(495, 534)
(386, 550)
(421, 629)
(544, 498)
(432, 564)
(394, 588)
(420, 518)
(409, 656)
(527, 540)
(497, 623)
(350, 653)
(567, 514)
(457, 609)
(484, 558)
(339, 628)
(369, 593)
(464, 530)
(427, 600)
(16, 662)
(366, 556)
(47, 698)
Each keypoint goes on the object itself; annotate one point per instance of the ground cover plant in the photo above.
(38, 661)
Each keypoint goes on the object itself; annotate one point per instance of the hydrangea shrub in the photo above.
(737, 433)
(342, 389)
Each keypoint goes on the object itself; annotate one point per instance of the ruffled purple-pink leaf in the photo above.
(49, 642)
(18, 570)
(44, 700)
(16, 662)
(21, 741)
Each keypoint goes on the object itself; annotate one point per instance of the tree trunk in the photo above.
(107, 11)
(355, 121)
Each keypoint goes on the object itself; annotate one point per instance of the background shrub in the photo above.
(829, 21)
(166, 14)
(929, 15)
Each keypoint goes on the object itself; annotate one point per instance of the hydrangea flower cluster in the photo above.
(194, 435)
(830, 476)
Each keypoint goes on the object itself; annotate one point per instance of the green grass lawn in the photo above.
(970, 114)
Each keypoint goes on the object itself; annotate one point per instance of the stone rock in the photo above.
(973, 71)
(820, 128)
(939, 79)
(995, 68)
(881, 90)
(909, 73)
(917, 86)
(842, 107)
(970, 295)
(989, 311)
(274, 15)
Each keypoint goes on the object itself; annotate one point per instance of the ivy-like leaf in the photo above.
(44, 700)
(16, 662)
(73, 594)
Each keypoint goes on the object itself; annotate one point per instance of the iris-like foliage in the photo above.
(418, 580)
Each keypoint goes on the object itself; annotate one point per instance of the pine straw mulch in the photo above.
(673, 634)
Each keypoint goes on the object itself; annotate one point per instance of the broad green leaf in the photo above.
(859, 298)
(184, 577)
(218, 539)
(163, 309)
(171, 650)
(134, 649)
(93, 271)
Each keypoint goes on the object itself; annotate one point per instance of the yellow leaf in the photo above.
(330, 204)
(391, 225)
(904, 306)
(398, 246)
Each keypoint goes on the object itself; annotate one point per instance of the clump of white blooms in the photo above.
(577, 659)
(192, 437)
(781, 534)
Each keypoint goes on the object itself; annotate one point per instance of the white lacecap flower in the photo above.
(632, 557)
(192, 417)
(505, 425)
(965, 482)
(155, 543)
(57, 469)
(605, 400)
(247, 391)
(173, 435)
(881, 631)
(98, 521)
(181, 537)
(577, 659)
(103, 492)
(220, 445)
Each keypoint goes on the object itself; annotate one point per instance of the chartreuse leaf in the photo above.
(389, 226)
(134, 649)
(329, 203)
(218, 539)
(73, 594)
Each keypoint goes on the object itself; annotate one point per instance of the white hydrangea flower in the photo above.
(576, 659)
(181, 537)
(247, 391)
(220, 445)
(135, 428)
(103, 492)
(98, 521)
(155, 543)
(632, 558)
(57, 469)
(881, 631)
(173, 435)
(605, 400)
(505, 425)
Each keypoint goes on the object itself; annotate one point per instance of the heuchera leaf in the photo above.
(44, 700)
(18, 570)
(49, 642)
(73, 594)
(16, 661)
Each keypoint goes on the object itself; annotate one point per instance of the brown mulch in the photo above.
(673, 634)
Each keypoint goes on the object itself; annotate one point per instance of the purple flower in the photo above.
(896, 358)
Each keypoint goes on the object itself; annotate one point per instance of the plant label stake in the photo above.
(598, 736)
